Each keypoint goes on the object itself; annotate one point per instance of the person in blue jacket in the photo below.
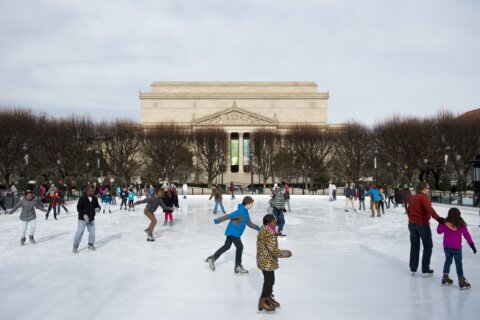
(374, 200)
(239, 219)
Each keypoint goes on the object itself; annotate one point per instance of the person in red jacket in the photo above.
(419, 213)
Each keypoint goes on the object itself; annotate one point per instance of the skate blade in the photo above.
(465, 288)
(265, 312)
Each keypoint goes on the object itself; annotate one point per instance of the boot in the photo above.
(446, 279)
(22, 241)
(91, 247)
(165, 223)
(150, 238)
(463, 283)
(75, 248)
(211, 262)
(32, 240)
(263, 305)
(170, 223)
(271, 301)
(239, 269)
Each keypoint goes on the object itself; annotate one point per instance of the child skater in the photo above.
(171, 200)
(28, 215)
(131, 199)
(124, 197)
(452, 230)
(152, 205)
(238, 221)
(267, 261)
(106, 199)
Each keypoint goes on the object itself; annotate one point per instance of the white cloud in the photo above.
(375, 57)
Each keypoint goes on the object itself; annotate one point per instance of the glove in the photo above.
(215, 221)
(85, 217)
(97, 209)
(441, 220)
(472, 245)
(284, 210)
(289, 253)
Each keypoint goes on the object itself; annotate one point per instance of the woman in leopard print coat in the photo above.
(267, 261)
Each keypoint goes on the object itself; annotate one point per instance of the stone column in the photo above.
(240, 152)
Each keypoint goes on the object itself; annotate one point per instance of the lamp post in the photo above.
(303, 177)
(251, 170)
(98, 152)
(222, 162)
(88, 170)
(447, 150)
(476, 175)
(376, 152)
(24, 147)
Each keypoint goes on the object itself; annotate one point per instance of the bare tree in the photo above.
(166, 148)
(16, 128)
(353, 150)
(209, 144)
(122, 141)
(266, 145)
(313, 148)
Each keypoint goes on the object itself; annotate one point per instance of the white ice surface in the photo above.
(344, 266)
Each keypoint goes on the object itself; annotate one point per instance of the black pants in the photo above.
(417, 232)
(390, 200)
(2, 204)
(228, 243)
(124, 203)
(268, 282)
(54, 211)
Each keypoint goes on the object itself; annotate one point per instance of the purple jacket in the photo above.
(453, 236)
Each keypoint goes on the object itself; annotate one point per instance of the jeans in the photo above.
(228, 243)
(287, 203)
(32, 223)
(451, 254)
(90, 225)
(216, 206)
(334, 193)
(361, 202)
(54, 211)
(278, 213)
(417, 232)
(268, 282)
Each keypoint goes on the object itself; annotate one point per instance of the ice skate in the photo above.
(32, 240)
(125, 208)
(427, 274)
(211, 262)
(22, 241)
(446, 279)
(372, 216)
(110, 211)
(150, 238)
(75, 248)
(263, 305)
(104, 211)
(379, 216)
(165, 223)
(240, 270)
(170, 223)
(91, 247)
(463, 283)
(354, 210)
(346, 210)
(271, 301)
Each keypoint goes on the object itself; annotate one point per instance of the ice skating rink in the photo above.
(344, 266)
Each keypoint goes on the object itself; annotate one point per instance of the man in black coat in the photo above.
(87, 207)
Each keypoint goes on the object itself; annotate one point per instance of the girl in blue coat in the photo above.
(238, 221)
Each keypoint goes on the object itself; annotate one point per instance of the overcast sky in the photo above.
(376, 58)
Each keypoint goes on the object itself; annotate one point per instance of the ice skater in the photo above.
(278, 208)
(350, 197)
(124, 197)
(420, 211)
(53, 199)
(184, 190)
(171, 200)
(106, 199)
(217, 195)
(131, 199)
(361, 197)
(375, 198)
(28, 215)
(152, 205)
(232, 190)
(87, 207)
(239, 219)
(452, 230)
(267, 261)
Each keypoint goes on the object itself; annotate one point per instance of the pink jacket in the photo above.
(452, 236)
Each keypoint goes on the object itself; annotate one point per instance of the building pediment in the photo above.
(234, 116)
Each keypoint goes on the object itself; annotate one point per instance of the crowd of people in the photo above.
(419, 210)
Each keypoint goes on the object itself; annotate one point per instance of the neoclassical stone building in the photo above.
(239, 107)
